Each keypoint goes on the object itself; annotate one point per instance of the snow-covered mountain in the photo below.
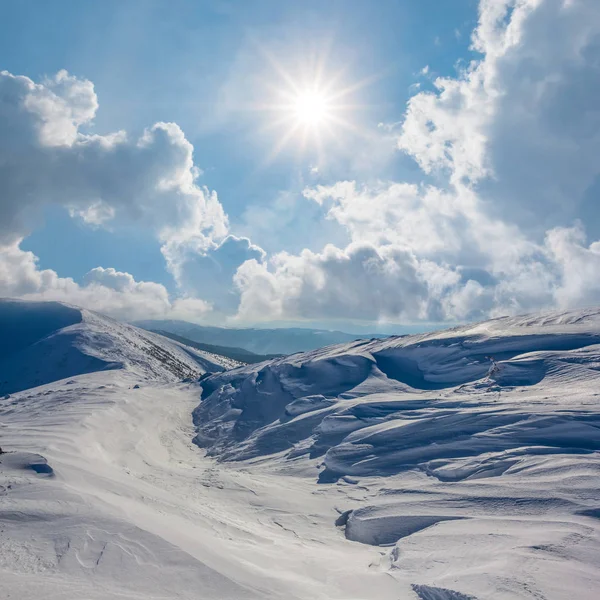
(474, 452)
(47, 341)
(459, 380)
(457, 465)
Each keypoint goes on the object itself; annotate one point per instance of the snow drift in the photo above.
(381, 406)
(448, 438)
(460, 465)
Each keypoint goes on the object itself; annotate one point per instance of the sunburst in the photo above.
(311, 110)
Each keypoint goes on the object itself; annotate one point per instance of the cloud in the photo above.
(46, 158)
(516, 136)
(359, 280)
(105, 290)
(522, 124)
(391, 281)
(417, 253)
(578, 266)
(422, 218)
(209, 274)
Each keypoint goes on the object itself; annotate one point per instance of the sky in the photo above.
(344, 164)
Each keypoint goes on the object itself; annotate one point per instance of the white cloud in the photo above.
(388, 280)
(523, 122)
(360, 280)
(402, 213)
(209, 273)
(517, 134)
(45, 158)
(416, 253)
(577, 264)
(105, 290)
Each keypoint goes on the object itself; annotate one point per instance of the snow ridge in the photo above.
(388, 400)
(49, 341)
(484, 436)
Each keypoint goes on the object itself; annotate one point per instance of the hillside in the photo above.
(258, 341)
(43, 342)
(485, 436)
(457, 465)
(325, 393)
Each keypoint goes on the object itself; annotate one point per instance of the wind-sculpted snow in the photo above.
(47, 341)
(485, 436)
(463, 465)
(379, 407)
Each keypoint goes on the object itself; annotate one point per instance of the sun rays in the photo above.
(309, 109)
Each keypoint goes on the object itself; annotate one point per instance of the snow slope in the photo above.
(482, 439)
(407, 468)
(104, 496)
(47, 341)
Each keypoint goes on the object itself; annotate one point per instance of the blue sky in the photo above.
(435, 201)
(151, 63)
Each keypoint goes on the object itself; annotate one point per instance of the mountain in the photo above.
(258, 341)
(43, 342)
(474, 453)
(236, 354)
(457, 465)
(319, 395)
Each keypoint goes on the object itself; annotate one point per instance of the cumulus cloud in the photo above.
(522, 124)
(359, 280)
(517, 135)
(421, 254)
(578, 265)
(105, 290)
(209, 273)
(46, 158)
(416, 254)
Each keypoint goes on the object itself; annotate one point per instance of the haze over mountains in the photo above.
(457, 465)
(260, 341)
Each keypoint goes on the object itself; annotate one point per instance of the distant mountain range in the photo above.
(237, 354)
(259, 341)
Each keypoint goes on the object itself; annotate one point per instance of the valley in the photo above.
(454, 465)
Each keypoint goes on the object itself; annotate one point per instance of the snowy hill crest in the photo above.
(484, 436)
(48, 341)
(321, 401)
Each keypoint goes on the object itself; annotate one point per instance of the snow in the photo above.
(48, 341)
(414, 467)
(488, 434)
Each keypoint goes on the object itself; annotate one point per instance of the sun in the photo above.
(309, 114)
(309, 109)
(312, 107)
